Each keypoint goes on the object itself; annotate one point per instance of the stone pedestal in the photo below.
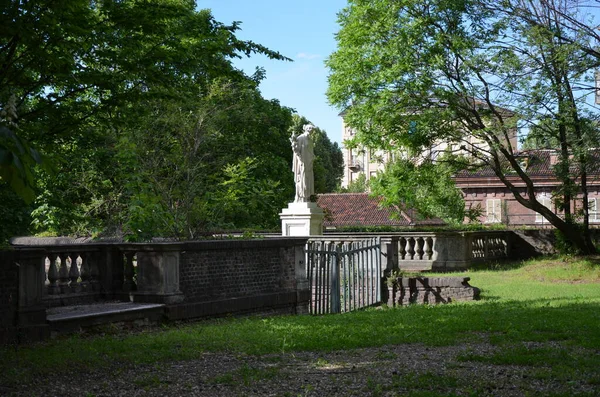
(302, 219)
(158, 276)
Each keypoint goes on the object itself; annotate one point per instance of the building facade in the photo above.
(482, 189)
(368, 162)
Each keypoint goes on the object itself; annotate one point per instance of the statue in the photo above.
(304, 155)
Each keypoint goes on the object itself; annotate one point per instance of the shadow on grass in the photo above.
(559, 319)
(563, 322)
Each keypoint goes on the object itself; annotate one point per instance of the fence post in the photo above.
(335, 304)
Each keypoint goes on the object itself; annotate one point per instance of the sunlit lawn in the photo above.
(543, 300)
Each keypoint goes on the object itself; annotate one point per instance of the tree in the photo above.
(427, 187)
(329, 161)
(412, 73)
(359, 185)
(115, 95)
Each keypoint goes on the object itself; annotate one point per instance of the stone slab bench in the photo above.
(66, 319)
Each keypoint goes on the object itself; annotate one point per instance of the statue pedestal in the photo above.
(302, 219)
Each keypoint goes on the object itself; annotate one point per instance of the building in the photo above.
(368, 162)
(482, 188)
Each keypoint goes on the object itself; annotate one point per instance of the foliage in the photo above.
(359, 185)
(143, 116)
(14, 215)
(17, 158)
(428, 188)
(413, 73)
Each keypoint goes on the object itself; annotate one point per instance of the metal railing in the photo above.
(344, 275)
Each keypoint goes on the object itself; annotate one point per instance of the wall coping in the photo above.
(66, 243)
(359, 235)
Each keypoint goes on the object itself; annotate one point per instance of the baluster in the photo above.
(53, 288)
(427, 248)
(63, 275)
(74, 274)
(128, 283)
(85, 272)
(486, 252)
(402, 248)
(411, 248)
(419, 245)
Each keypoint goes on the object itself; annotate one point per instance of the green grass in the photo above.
(536, 301)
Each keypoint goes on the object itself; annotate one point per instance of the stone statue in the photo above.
(304, 155)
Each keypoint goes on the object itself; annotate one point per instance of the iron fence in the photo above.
(344, 275)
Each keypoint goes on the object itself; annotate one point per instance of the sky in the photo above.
(301, 30)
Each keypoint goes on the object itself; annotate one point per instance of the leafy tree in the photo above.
(359, 185)
(427, 187)
(223, 163)
(412, 73)
(124, 102)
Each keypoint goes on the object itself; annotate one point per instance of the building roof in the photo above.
(358, 209)
(536, 163)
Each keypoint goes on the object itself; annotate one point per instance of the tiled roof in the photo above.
(358, 209)
(536, 163)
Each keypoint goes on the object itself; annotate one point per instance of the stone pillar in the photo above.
(31, 312)
(302, 284)
(389, 263)
(302, 219)
(158, 275)
(452, 251)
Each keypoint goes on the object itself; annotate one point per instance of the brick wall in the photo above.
(9, 294)
(512, 212)
(232, 270)
(218, 277)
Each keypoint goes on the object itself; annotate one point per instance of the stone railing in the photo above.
(82, 273)
(192, 279)
(439, 251)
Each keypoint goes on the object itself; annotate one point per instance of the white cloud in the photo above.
(306, 56)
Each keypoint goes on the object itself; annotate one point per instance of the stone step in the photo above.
(76, 318)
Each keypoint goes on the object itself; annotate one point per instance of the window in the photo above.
(594, 210)
(494, 210)
(546, 202)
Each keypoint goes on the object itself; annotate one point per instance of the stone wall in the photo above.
(9, 295)
(421, 290)
(218, 277)
(191, 279)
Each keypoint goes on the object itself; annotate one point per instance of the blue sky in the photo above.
(301, 30)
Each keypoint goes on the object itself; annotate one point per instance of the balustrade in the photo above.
(416, 248)
(489, 246)
(75, 273)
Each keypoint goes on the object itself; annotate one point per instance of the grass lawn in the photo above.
(553, 302)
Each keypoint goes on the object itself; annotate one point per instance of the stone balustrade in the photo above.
(190, 279)
(438, 251)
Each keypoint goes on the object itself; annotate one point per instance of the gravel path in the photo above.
(386, 371)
